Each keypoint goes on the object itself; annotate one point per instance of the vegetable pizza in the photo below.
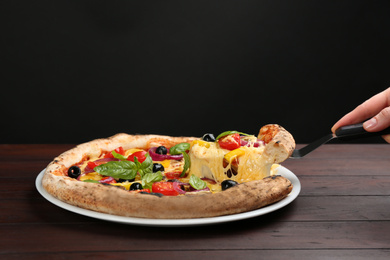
(164, 177)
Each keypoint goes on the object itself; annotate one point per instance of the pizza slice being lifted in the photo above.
(154, 176)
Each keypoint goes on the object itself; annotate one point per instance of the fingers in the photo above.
(379, 122)
(375, 106)
(358, 115)
(351, 118)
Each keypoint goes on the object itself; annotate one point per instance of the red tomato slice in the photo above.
(141, 156)
(100, 161)
(230, 142)
(119, 150)
(172, 175)
(165, 188)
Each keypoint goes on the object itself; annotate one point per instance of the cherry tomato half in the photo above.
(119, 150)
(165, 188)
(98, 162)
(172, 175)
(230, 142)
(141, 156)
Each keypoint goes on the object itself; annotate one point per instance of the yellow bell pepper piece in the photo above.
(230, 156)
(201, 143)
(165, 163)
(91, 176)
(123, 184)
(131, 151)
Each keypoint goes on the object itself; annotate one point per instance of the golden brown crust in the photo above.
(112, 200)
(280, 144)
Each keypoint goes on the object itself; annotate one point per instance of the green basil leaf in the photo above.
(229, 133)
(197, 183)
(118, 169)
(118, 156)
(146, 166)
(179, 148)
(137, 163)
(150, 178)
(92, 181)
(187, 163)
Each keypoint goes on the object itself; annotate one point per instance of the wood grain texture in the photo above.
(342, 212)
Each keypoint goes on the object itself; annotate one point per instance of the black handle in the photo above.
(357, 131)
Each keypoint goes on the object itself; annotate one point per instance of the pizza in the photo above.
(165, 177)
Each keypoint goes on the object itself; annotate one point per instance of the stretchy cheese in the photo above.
(207, 161)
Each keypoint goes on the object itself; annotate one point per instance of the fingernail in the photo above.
(370, 123)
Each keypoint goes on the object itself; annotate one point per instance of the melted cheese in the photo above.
(208, 162)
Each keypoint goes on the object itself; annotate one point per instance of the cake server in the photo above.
(346, 132)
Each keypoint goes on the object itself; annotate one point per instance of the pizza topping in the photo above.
(118, 169)
(197, 183)
(167, 188)
(172, 175)
(136, 186)
(211, 159)
(230, 142)
(226, 133)
(74, 172)
(233, 157)
(158, 167)
(161, 157)
(179, 148)
(91, 181)
(219, 161)
(118, 150)
(226, 184)
(182, 148)
(107, 180)
(161, 150)
(90, 176)
(150, 178)
(92, 164)
(208, 138)
(140, 155)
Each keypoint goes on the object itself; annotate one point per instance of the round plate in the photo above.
(177, 222)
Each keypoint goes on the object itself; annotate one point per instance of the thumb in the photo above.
(379, 122)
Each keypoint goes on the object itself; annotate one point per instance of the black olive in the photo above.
(226, 184)
(136, 186)
(74, 172)
(158, 167)
(208, 138)
(161, 150)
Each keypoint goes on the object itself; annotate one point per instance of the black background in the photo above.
(73, 71)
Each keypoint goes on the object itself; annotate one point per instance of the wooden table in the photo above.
(343, 212)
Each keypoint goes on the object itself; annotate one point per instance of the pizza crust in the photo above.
(280, 144)
(113, 200)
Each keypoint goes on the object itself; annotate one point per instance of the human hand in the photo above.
(377, 108)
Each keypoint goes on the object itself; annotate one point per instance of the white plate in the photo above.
(178, 222)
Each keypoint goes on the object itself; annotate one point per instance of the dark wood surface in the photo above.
(342, 212)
